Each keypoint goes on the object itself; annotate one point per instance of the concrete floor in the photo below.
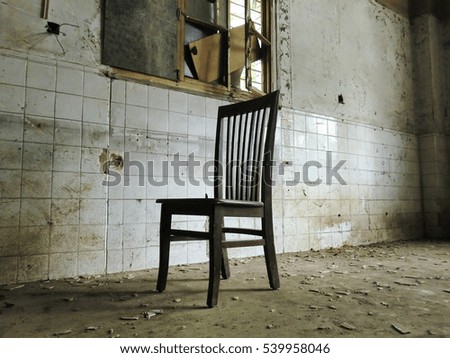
(399, 289)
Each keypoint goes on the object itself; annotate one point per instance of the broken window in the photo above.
(220, 43)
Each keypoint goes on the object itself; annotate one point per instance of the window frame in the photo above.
(196, 86)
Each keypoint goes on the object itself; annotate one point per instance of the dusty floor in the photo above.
(385, 290)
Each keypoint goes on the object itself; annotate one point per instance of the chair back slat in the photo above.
(244, 149)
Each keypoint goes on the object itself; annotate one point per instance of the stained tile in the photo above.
(36, 184)
(40, 103)
(37, 157)
(41, 76)
(64, 239)
(32, 268)
(70, 80)
(12, 70)
(65, 212)
(39, 129)
(11, 127)
(12, 98)
(34, 240)
(96, 86)
(91, 262)
(69, 106)
(9, 241)
(63, 265)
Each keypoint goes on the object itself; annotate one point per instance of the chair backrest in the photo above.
(244, 149)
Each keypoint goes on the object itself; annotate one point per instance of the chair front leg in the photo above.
(215, 256)
(164, 247)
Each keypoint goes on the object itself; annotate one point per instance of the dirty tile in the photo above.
(65, 185)
(178, 253)
(9, 179)
(12, 70)
(115, 186)
(9, 267)
(196, 126)
(66, 158)
(39, 129)
(211, 107)
(69, 106)
(136, 140)
(158, 98)
(12, 127)
(158, 120)
(134, 187)
(96, 110)
(196, 105)
(197, 252)
(35, 212)
(134, 235)
(34, 240)
(36, 184)
(37, 156)
(32, 268)
(91, 262)
(152, 256)
(115, 211)
(67, 132)
(64, 238)
(92, 186)
(134, 211)
(114, 261)
(115, 237)
(178, 102)
(40, 102)
(95, 135)
(118, 89)
(134, 259)
(153, 234)
(118, 114)
(179, 144)
(69, 80)
(92, 160)
(136, 94)
(91, 238)
(96, 86)
(116, 141)
(9, 212)
(12, 98)
(158, 143)
(92, 211)
(9, 241)
(63, 265)
(136, 117)
(65, 212)
(41, 76)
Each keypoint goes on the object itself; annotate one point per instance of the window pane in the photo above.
(237, 10)
(141, 36)
(209, 12)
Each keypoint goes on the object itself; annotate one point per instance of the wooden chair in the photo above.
(242, 188)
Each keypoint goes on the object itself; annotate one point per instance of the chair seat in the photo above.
(210, 202)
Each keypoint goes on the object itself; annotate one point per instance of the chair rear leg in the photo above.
(164, 248)
(270, 253)
(215, 257)
(225, 265)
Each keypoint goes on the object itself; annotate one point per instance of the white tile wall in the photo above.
(60, 121)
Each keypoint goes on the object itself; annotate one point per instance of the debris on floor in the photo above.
(381, 290)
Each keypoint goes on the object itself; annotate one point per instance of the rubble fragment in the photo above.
(399, 328)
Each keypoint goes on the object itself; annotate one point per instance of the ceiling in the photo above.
(414, 8)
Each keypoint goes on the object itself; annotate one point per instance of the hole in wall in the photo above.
(341, 99)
